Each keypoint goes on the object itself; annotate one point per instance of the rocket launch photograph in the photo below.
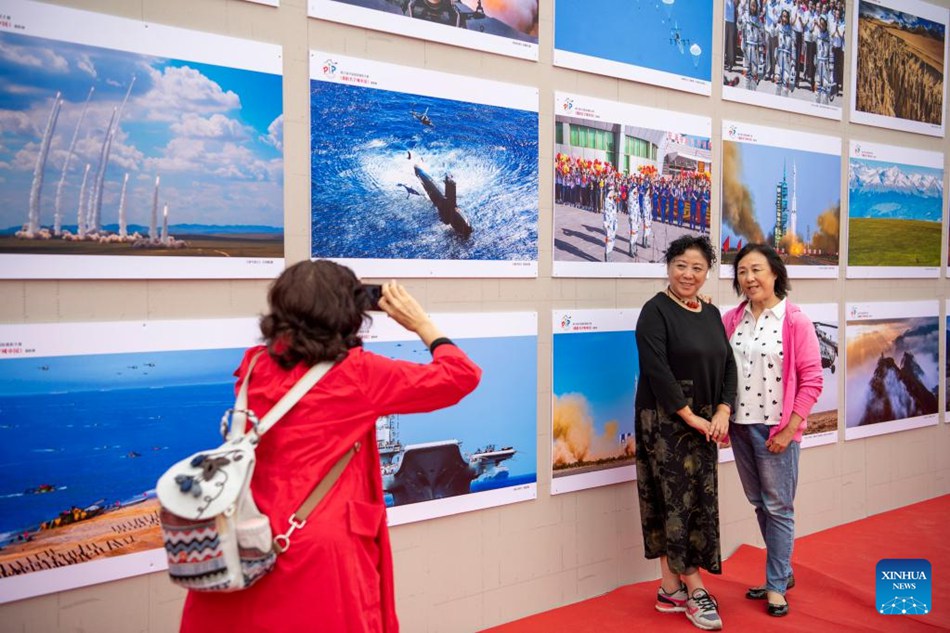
(595, 374)
(782, 188)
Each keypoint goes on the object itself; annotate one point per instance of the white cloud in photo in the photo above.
(216, 126)
(183, 89)
(275, 133)
(33, 57)
(16, 123)
(85, 64)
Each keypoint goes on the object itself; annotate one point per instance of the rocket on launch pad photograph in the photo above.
(162, 149)
(781, 188)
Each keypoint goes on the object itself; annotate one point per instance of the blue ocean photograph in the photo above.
(664, 35)
(595, 385)
(89, 435)
(895, 214)
(402, 176)
(486, 442)
(110, 152)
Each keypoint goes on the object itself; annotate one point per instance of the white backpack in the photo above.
(215, 537)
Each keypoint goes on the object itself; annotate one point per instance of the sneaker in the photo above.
(671, 602)
(702, 611)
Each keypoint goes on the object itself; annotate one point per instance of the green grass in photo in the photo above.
(887, 242)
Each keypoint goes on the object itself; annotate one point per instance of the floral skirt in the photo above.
(677, 480)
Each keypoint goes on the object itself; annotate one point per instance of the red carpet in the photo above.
(835, 584)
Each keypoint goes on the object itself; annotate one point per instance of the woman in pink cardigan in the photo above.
(779, 365)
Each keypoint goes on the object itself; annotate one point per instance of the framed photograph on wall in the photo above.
(895, 211)
(781, 187)
(664, 43)
(628, 180)
(898, 65)
(136, 150)
(505, 27)
(822, 426)
(479, 453)
(892, 367)
(784, 55)
(417, 173)
(94, 413)
(596, 369)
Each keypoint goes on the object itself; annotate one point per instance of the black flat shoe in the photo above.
(778, 610)
(760, 593)
(756, 593)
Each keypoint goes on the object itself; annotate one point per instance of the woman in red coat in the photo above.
(337, 574)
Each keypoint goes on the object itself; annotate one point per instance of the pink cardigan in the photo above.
(801, 386)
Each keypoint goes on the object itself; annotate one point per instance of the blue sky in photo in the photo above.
(903, 19)
(129, 370)
(819, 184)
(604, 368)
(503, 409)
(639, 32)
(212, 133)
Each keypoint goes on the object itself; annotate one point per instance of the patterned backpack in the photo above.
(215, 537)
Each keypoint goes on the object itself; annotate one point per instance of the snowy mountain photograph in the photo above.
(895, 211)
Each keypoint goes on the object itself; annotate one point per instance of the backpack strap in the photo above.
(305, 384)
(282, 541)
(241, 414)
(239, 421)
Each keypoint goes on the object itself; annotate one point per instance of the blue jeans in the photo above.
(769, 481)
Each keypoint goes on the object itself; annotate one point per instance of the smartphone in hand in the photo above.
(374, 292)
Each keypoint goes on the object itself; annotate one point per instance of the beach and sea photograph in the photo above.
(895, 211)
(899, 64)
(893, 370)
(479, 453)
(787, 56)
(85, 436)
(628, 180)
(666, 43)
(595, 375)
(410, 183)
(171, 153)
(782, 188)
(505, 27)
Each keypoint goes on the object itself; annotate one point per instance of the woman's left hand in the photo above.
(780, 441)
(719, 425)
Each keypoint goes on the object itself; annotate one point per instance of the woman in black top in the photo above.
(684, 398)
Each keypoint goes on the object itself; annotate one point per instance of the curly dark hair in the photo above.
(682, 244)
(782, 285)
(316, 311)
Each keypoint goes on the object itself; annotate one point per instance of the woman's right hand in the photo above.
(406, 311)
(702, 425)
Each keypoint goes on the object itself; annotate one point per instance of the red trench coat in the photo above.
(337, 575)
